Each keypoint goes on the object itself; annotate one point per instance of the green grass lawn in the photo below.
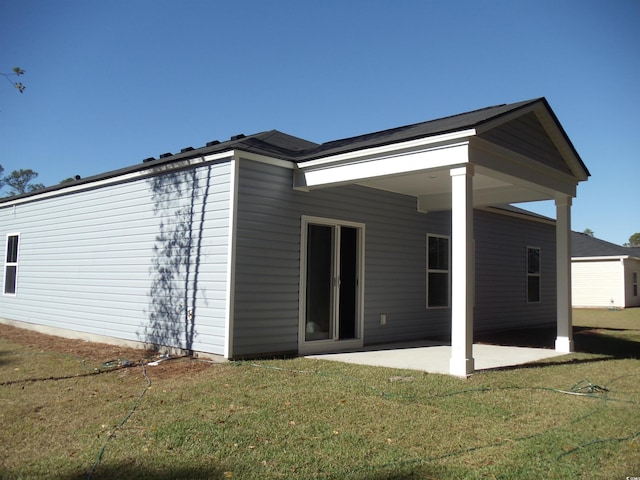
(575, 416)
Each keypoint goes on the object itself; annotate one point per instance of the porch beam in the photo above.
(462, 271)
(564, 339)
(358, 170)
(482, 198)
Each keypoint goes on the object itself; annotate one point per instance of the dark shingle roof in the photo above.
(583, 245)
(439, 126)
(273, 142)
(460, 122)
(288, 147)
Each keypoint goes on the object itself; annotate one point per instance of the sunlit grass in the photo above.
(576, 416)
(628, 318)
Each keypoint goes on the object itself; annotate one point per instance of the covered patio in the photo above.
(499, 155)
(432, 357)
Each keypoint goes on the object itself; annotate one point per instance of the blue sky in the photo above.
(110, 83)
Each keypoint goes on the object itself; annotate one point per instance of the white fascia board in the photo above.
(558, 138)
(363, 169)
(146, 172)
(600, 259)
(389, 149)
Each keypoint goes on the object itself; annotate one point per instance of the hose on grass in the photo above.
(107, 367)
(124, 420)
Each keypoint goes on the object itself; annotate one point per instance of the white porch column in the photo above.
(564, 340)
(462, 271)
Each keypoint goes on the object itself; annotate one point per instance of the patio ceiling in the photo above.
(432, 188)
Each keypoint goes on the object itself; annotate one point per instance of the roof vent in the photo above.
(187, 149)
(238, 137)
(165, 155)
(78, 177)
(212, 143)
(150, 159)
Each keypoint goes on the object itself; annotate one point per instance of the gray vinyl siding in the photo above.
(268, 259)
(128, 260)
(268, 263)
(527, 136)
(501, 272)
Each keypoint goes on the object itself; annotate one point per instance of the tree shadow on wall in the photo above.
(179, 202)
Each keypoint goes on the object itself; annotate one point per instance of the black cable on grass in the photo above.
(124, 420)
(107, 367)
(52, 378)
(599, 441)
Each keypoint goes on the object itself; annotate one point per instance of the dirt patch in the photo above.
(104, 353)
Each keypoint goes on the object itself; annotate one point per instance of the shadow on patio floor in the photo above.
(586, 340)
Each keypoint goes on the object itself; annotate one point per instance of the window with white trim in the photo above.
(635, 284)
(438, 271)
(533, 275)
(11, 264)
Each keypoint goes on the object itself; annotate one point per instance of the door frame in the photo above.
(320, 346)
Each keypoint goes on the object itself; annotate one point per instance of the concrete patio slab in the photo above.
(434, 358)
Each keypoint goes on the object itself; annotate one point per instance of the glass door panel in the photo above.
(319, 294)
(348, 291)
(332, 293)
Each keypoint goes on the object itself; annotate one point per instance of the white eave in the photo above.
(608, 258)
(385, 161)
(395, 149)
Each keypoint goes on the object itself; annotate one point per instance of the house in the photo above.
(603, 274)
(269, 244)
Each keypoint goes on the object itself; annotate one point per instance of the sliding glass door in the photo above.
(331, 280)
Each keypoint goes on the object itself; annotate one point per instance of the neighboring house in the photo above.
(603, 274)
(269, 244)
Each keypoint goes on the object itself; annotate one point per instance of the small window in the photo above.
(11, 264)
(635, 284)
(438, 266)
(533, 275)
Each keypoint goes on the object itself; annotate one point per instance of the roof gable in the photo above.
(526, 135)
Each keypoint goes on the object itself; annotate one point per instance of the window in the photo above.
(533, 275)
(438, 285)
(635, 284)
(11, 264)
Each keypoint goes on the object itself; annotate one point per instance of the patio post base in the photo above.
(461, 367)
(564, 344)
